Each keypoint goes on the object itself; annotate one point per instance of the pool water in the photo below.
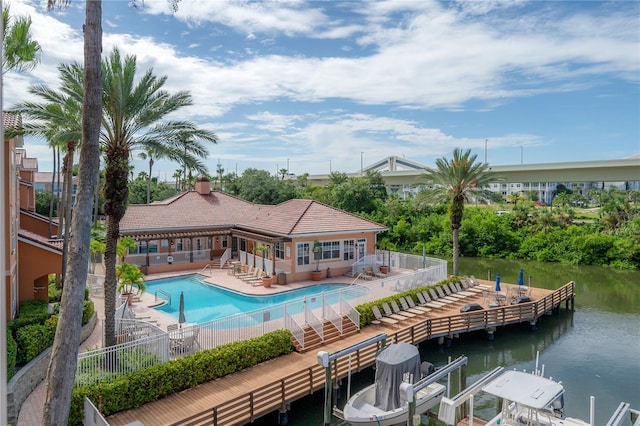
(203, 302)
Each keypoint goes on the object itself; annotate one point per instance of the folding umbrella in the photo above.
(521, 277)
(497, 282)
(181, 318)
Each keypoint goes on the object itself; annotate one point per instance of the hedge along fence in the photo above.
(162, 380)
(366, 309)
(33, 332)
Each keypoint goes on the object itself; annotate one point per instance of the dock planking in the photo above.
(244, 396)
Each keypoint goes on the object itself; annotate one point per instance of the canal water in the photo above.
(593, 350)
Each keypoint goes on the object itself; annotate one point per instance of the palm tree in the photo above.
(133, 110)
(19, 52)
(58, 117)
(455, 182)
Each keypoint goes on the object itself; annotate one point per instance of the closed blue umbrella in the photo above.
(181, 318)
(521, 277)
(497, 282)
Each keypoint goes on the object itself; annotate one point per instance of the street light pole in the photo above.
(521, 154)
(361, 163)
(485, 151)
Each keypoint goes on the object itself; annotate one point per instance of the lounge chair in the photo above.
(256, 274)
(466, 284)
(425, 300)
(389, 313)
(453, 291)
(404, 305)
(413, 305)
(398, 311)
(379, 274)
(459, 289)
(476, 283)
(450, 293)
(442, 296)
(435, 297)
(380, 318)
(249, 273)
(367, 273)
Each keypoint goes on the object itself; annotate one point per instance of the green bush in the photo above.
(162, 380)
(31, 313)
(12, 352)
(87, 311)
(33, 339)
(55, 293)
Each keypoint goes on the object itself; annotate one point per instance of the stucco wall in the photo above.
(36, 262)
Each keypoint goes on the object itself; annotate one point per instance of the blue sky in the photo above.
(320, 86)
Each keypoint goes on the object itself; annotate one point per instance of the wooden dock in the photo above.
(242, 397)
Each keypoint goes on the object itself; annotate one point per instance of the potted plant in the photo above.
(130, 277)
(317, 251)
(266, 279)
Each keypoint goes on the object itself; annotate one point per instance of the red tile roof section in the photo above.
(192, 210)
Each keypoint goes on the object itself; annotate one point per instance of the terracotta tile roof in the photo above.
(192, 210)
(36, 238)
(10, 120)
(299, 217)
(186, 210)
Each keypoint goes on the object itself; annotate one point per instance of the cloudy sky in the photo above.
(326, 85)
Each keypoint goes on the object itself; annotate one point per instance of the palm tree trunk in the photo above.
(64, 354)
(68, 203)
(149, 180)
(51, 200)
(110, 280)
(456, 252)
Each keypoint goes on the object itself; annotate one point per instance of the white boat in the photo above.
(382, 403)
(527, 399)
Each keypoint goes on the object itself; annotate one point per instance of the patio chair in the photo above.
(425, 300)
(367, 273)
(256, 274)
(476, 283)
(398, 311)
(380, 318)
(389, 313)
(414, 310)
(379, 274)
(413, 305)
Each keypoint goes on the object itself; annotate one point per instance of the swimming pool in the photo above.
(204, 302)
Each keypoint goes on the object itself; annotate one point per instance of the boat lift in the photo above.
(409, 390)
(447, 412)
(325, 359)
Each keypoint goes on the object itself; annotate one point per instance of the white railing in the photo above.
(314, 322)
(226, 256)
(296, 330)
(93, 416)
(243, 326)
(331, 315)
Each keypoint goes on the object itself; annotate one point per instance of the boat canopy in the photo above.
(525, 388)
(392, 362)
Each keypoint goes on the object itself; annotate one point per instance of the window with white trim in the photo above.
(349, 249)
(279, 249)
(331, 250)
(302, 254)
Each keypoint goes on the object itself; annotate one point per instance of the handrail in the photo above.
(357, 278)
(331, 315)
(164, 293)
(296, 329)
(313, 321)
(207, 266)
(226, 256)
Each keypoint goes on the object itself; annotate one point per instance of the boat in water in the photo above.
(383, 403)
(527, 399)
